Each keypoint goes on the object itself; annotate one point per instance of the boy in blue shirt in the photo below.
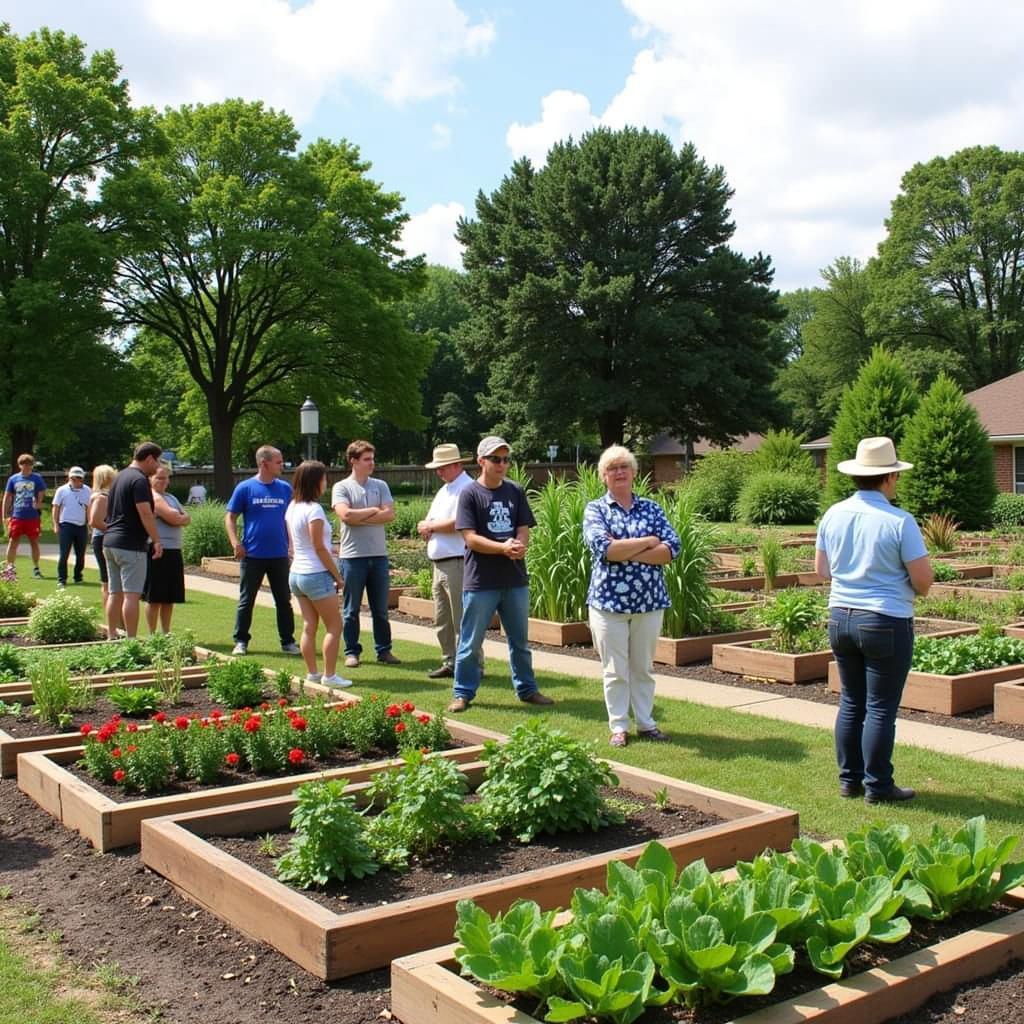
(23, 501)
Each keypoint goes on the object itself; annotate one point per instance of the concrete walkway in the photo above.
(977, 746)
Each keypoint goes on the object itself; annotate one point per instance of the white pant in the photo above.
(625, 643)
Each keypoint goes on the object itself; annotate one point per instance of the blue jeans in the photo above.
(478, 608)
(71, 535)
(369, 574)
(873, 653)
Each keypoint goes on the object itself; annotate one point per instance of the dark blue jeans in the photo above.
(873, 653)
(250, 580)
(372, 575)
(71, 535)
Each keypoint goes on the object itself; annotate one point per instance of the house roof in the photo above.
(665, 444)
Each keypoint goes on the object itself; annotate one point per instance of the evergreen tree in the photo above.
(953, 470)
(879, 403)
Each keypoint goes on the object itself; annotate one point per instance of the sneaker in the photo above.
(240, 649)
(655, 735)
(314, 677)
(457, 705)
(850, 790)
(444, 672)
(387, 658)
(60, 585)
(618, 739)
(292, 648)
(536, 698)
(351, 661)
(36, 573)
(339, 681)
(892, 795)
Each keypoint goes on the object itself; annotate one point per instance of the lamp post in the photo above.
(552, 452)
(309, 425)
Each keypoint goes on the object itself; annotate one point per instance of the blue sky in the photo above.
(815, 110)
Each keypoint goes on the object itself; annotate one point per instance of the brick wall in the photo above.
(1004, 466)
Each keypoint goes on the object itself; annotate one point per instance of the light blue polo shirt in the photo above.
(868, 542)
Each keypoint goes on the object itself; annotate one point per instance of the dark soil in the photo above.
(17, 638)
(453, 866)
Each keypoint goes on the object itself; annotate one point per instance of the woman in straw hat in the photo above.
(875, 556)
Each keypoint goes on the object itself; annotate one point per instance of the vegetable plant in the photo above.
(55, 696)
(771, 558)
(62, 619)
(955, 655)
(944, 572)
(791, 615)
(236, 684)
(133, 700)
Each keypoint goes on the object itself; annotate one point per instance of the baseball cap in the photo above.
(490, 444)
(77, 471)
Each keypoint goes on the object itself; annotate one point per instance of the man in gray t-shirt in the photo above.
(363, 506)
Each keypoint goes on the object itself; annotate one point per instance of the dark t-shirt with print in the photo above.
(494, 514)
(124, 524)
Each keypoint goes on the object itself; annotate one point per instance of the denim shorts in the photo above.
(314, 585)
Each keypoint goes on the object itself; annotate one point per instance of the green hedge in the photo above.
(775, 498)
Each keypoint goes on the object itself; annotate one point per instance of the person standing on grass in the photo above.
(165, 577)
(877, 561)
(102, 478)
(364, 506)
(129, 531)
(494, 519)
(314, 579)
(70, 522)
(23, 503)
(630, 539)
(263, 551)
(447, 552)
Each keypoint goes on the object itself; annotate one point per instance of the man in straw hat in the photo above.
(447, 553)
(875, 556)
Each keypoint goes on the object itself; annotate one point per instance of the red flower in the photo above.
(131, 748)
(115, 719)
(236, 717)
(282, 702)
(106, 731)
(393, 711)
(252, 724)
(296, 756)
(181, 722)
(232, 759)
(85, 729)
(132, 727)
(400, 727)
(264, 706)
(204, 723)
(299, 724)
(116, 752)
(119, 775)
(216, 713)
(423, 718)
(159, 718)
(408, 706)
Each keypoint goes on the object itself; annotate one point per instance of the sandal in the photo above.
(618, 739)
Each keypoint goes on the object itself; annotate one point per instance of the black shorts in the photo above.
(165, 578)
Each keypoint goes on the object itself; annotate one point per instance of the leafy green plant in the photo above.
(236, 684)
(13, 708)
(133, 700)
(771, 558)
(62, 619)
(955, 655)
(407, 515)
(14, 601)
(424, 583)
(55, 695)
(205, 535)
(940, 532)
(329, 842)
(776, 498)
(1008, 510)
(967, 608)
(714, 484)
(12, 663)
(748, 566)
(790, 615)
(1014, 581)
(543, 780)
(944, 572)
(691, 605)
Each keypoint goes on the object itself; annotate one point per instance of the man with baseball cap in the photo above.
(70, 513)
(446, 551)
(494, 519)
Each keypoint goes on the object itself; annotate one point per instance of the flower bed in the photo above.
(330, 945)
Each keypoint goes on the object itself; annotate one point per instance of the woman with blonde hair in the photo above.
(102, 478)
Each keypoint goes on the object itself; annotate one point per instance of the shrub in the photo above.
(776, 498)
(1008, 510)
(205, 536)
(407, 515)
(62, 619)
(714, 484)
(944, 572)
(408, 559)
(13, 601)
(939, 532)
(780, 452)
(953, 471)
(879, 403)
(236, 684)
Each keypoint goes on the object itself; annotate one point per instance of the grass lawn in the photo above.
(775, 761)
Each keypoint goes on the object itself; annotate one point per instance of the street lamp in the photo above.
(552, 452)
(309, 425)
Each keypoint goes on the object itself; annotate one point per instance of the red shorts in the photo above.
(24, 528)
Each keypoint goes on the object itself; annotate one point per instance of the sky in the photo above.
(815, 110)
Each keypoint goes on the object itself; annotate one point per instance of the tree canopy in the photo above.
(603, 295)
(273, 274)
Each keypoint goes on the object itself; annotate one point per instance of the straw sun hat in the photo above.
(445, 455)
(876, 456)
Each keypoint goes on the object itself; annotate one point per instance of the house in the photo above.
(668, 455)
(1000, 407)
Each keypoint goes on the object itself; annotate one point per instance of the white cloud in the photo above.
(433, 233)
(563, 113)
(441, 135)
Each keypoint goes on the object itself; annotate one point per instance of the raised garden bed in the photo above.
(988, 590)
(782, 581)
(423, 608)
(426, 988)
(557, 634)
(108, 824)
(330, 945)
(1008, 701)
(688, 649)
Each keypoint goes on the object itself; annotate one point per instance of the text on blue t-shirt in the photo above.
(262, 507)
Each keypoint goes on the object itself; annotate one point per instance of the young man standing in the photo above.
(23, 502)
(363, 506)
(263, 551)
(494, 519)
(70, 511)
(130, 528)
(446, 551)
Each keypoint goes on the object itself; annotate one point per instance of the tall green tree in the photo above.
(954, 471)
(951, 270)
(604, 295)
(65, 120)
(275, 274)
(879, 403)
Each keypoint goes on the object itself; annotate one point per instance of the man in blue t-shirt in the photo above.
(263, 550)
(23, 499)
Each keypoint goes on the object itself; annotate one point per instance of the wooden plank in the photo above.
(1008, 702)
(686, 650)
(418, 607)
(746, 660)
(557, 634)
(430, 994)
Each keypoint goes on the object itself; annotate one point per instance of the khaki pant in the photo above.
(625, 644)
(448, 607)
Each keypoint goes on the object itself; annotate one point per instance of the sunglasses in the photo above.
(498, 460)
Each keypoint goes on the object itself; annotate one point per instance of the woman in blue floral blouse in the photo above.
(630, 539)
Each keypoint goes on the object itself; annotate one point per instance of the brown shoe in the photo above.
(351, 661)
(444, 672)
(536, 698)
(458, 704)
(387, 658)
